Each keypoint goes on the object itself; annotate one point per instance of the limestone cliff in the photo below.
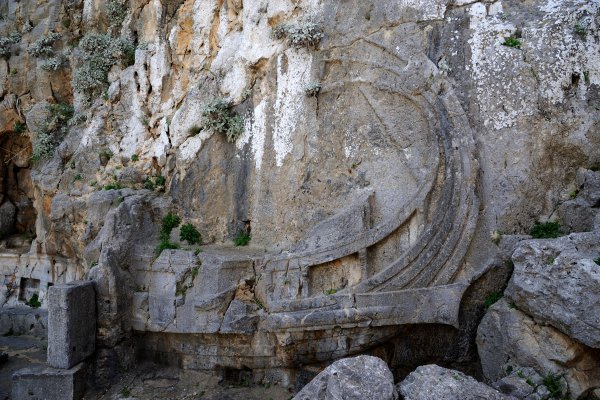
(368, 148)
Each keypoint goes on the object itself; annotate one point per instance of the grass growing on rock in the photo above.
(492, 298)
(545, 230)
(512, 42)
(242, 238)
(218, 117)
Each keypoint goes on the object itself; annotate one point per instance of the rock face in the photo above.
(557, 282)
(357, 378)
(378, 142)
(434, 382)
(509, 340)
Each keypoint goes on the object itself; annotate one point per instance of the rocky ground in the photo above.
(21, 351)
(149, 381)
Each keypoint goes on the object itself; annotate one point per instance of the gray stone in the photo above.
(589, 181)
(45, 383)
(577, 216)
(8, 213)
(508, 339)
(240, 317)
(357, 378)
(71, 323)
(557, 282)
(433, 382)
(23, 320)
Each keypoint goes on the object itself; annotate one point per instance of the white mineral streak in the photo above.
(293, 74)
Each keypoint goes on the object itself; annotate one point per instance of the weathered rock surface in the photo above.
(510, 340)
(557, 282)
(433, 382)
(357, 378)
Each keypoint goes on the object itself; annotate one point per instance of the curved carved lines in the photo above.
(438, 252)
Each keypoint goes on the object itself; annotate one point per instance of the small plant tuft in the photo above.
(218, 117)
(190, 234)
(512, 42)
(491, 299)
(124, 392)
(34, 301)
(6, 42)
(19, 127)
(313, 89)
(580, 29)
(545, 230)
(306, 35)
(331, 291)
(52, 130)
(169, 222)
(496, 236)
(134, 157)
(553, 384)
(113, 186)
(597, 261)
(242, 238)
(43, 46)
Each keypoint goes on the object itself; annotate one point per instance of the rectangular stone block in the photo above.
(45, 383)
(71, 323)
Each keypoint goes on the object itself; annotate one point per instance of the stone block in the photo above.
(71, 323)
(46, 383)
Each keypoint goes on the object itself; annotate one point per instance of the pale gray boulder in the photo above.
(434, 382)
(357, 378)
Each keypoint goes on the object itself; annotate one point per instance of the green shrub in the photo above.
(98, 54)
(554, 385)
(148, 184)
(512, 42)
(19, 127)
(6, 42)
(160, 181)
(54, 63)
(218, 117)
(52, 130)
(242, 238)
(190, 234)
(34, 301)
(329, 292)
(306, 35)
(134, 157)
(597, 260)
(113, 186)
(43, 46)
(169, 222)
(545, 230)
(492, 298)
(580, 29)
(116, 11)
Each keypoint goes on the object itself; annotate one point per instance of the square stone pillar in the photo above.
(71, 323)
